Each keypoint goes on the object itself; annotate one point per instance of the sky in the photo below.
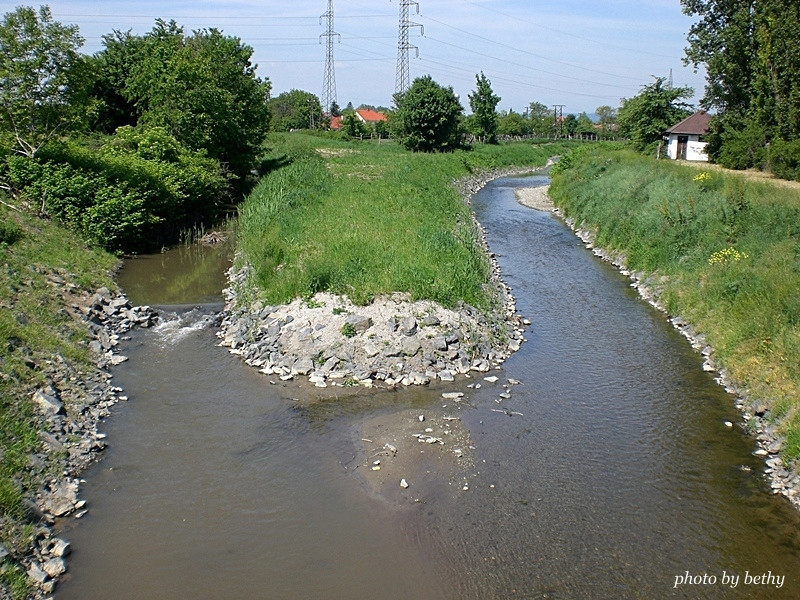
(577, 53)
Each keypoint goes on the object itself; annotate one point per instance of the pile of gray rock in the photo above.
(391, 341)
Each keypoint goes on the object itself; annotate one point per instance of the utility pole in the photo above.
(329, 80)
(403, 80)
(558, 118)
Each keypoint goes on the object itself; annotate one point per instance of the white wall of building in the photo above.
(695, 149)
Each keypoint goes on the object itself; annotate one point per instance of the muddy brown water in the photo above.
(618, 478)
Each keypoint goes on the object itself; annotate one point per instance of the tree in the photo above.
(352, 126)
(776, 81)
(202, 88)
(112, 68)
(644, 118)
(513, 123)
(295, 109)
(541, 118)
(37, 56)
(584, 124)
(607, 117)
(428, 117)
(723, 39)
(483, 102)
(335, 110)
(750, 52)
(571, 124)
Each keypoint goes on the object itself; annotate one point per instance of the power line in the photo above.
(539, 56)
(524, 66)
(605, 44)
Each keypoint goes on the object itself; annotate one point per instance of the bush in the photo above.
(137, 192)
(742, 147)
(428, 117)
(784, 159)
(9, 233)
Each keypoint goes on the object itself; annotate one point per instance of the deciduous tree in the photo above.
(428, 117)
(644, 118)
(295, 109)
(483, 102)
(202, 88)
(37, 56)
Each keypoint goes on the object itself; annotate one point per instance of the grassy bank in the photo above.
(368, 219)
(36, 328)
(729, 249)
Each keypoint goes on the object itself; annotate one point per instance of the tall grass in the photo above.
(363, 220)
(730, 248)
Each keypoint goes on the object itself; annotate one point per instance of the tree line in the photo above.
(154, 133)
(159, 132)
(752, 60)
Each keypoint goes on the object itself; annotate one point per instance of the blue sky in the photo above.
(579, 53)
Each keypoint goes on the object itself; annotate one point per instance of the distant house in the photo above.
(336, 122)
(365, 115)
(369, 116)
(686, 140)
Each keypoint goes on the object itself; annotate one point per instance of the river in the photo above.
(613, 477)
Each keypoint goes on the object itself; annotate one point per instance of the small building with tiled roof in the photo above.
(686, 140)
(336, 122)
(369, 116)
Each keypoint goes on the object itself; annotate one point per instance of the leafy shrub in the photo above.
(784, 159)
(136, 192)
(742, 147)
(9, 233)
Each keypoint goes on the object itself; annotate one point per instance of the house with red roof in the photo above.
(686, 140)
(369, 116)
(366, 115)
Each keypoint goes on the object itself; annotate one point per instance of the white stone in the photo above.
(54, 567)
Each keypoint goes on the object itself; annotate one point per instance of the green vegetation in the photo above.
(152, 135)
(137, 189)
(644, 118)
(428, 117)
(363, 220)
(36, 329)
(483, 102)
(295, 109)
(37, 65)
(749, 50)
(201, 87)
(729, 248)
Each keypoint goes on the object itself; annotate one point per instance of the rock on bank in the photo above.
(389, 342)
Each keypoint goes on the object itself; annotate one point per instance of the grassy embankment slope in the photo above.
(35, 329)
(364, 219)
(730, 248)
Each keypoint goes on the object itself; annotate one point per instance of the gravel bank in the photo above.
(69, 408)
